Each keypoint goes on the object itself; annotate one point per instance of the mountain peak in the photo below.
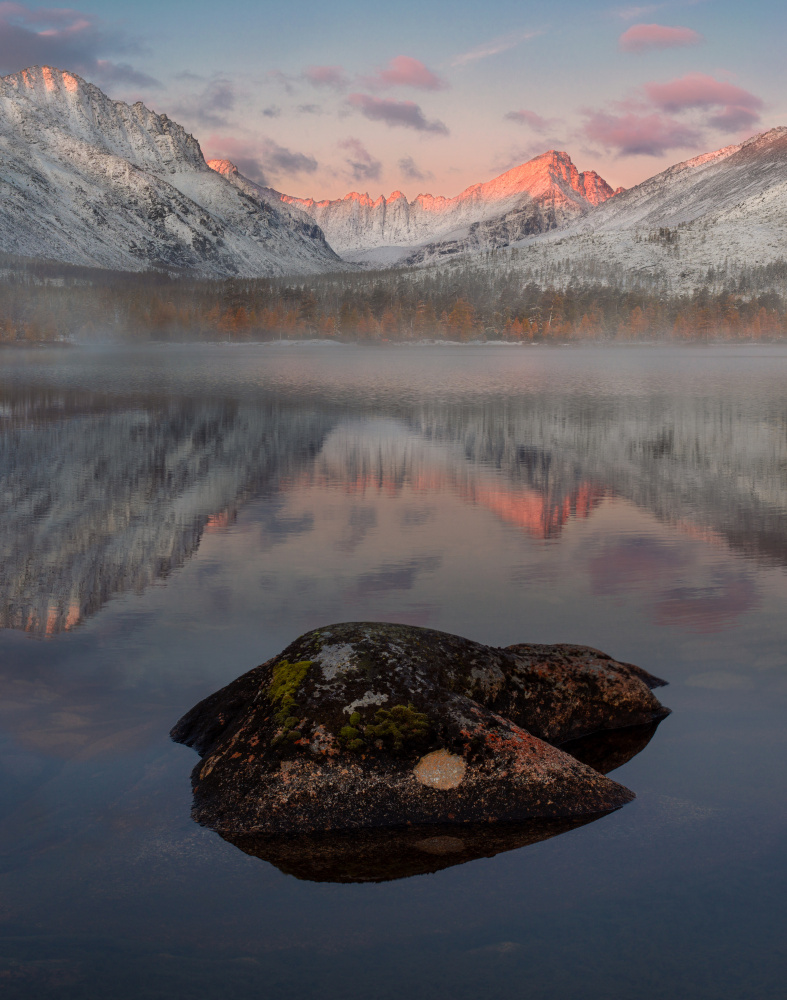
(548, 189)
(97, 182)
(224, 167)
(48, 78)
(133, 132)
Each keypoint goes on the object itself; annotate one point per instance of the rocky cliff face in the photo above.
(96, 182)
(534, 197)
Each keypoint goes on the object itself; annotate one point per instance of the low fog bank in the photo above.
(46, 302)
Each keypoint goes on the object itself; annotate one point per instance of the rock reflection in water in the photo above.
(609, 749)
(382, 855)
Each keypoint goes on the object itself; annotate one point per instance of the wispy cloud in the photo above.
(643, 37)
(279, 159)
(634, 11)
(639, 135)
(412, 172)
(494, 47)
(698, 90)
(361, 165)
(733, 108)
(402, 114)
(211, 105)
(673, 115)
(532, 120)
(333, 77)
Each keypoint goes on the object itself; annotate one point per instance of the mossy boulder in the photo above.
(361, 726)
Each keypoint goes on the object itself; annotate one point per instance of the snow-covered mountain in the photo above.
(96, 182)
(702, 222)
(542, 194)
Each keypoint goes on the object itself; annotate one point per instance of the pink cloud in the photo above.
(641, 37)
(404, 114)
(532, 120)
(739, 108)
(697, 90)
(327, 76)
(404, 71)
(734, 119)
(639, 135)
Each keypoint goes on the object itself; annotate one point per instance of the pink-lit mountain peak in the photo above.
(540, 177)
(551, 174)
(548, 189)
(224, 167)
(45, 82)
(86, 113)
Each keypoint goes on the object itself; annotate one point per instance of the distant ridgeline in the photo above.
(46, 302)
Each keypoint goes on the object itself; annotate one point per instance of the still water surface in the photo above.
(171, 517)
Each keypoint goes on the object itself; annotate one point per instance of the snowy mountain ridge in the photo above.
(720, 214)
(96, 182)
(544, 193)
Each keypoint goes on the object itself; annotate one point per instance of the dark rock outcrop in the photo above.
(374, 726)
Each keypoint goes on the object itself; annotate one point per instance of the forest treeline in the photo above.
(47, 303)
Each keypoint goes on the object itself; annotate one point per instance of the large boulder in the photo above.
(374, 726)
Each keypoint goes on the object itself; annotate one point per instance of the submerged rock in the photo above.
(364, 726)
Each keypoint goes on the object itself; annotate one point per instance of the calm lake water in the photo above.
(174, 516)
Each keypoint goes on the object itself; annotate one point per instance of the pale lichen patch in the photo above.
(440, 769)
(369, 698)
(335, 660)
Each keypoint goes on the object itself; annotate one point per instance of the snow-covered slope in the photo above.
(96, 182)
(724, 212)
(267, 195)
(534, 197)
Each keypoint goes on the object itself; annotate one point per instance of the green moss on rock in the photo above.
(401, 728)
(285, 681)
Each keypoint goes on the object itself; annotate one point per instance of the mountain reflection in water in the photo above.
(173, 516)
(104, 495)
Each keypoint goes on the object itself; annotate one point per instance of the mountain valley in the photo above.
(92, 182)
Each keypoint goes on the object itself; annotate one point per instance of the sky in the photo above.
(318, 99)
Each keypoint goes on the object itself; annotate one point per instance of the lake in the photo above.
(174, 515)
